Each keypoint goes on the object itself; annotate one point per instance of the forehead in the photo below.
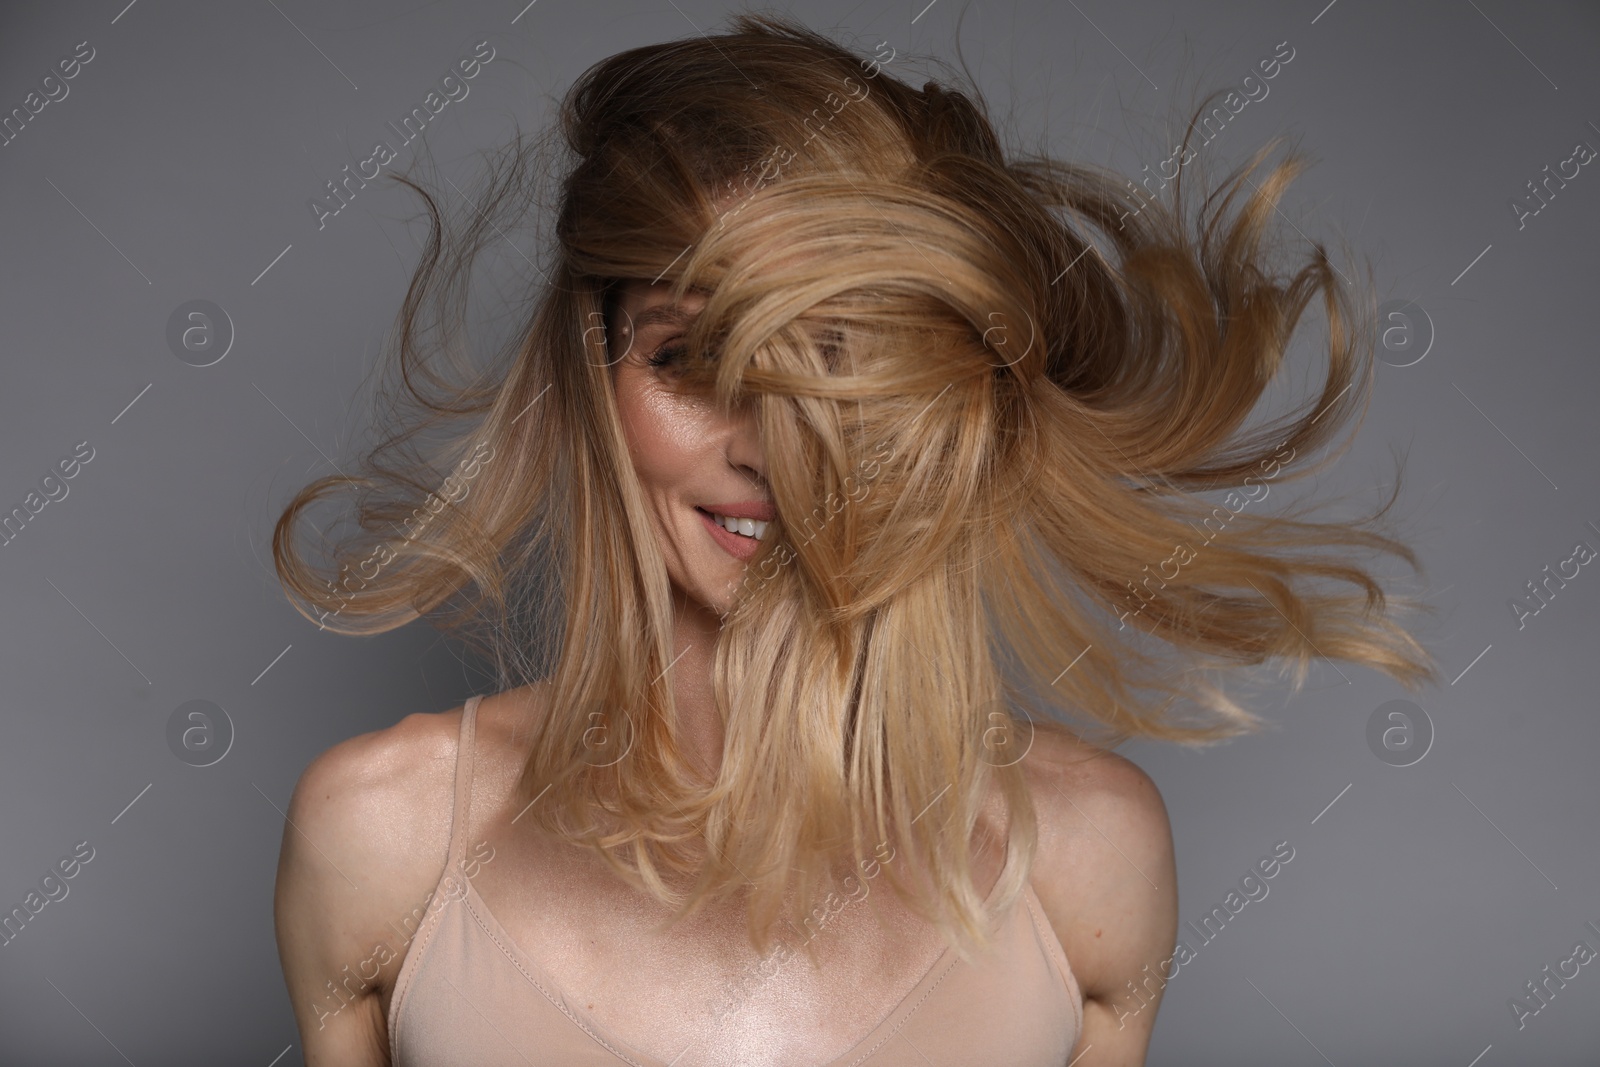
(648, 303)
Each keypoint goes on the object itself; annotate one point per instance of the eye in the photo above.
(667, 354)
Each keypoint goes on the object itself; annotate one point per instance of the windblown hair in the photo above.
(991, 390)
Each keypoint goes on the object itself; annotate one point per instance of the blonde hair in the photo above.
(985, 434)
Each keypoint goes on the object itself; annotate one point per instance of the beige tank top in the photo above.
(468, 994)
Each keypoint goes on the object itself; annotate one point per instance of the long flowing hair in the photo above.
(1003, 405)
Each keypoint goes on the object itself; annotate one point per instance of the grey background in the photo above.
(1420, 898)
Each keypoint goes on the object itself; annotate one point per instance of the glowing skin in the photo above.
(685, 454)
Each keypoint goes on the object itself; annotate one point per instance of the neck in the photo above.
(694, 637)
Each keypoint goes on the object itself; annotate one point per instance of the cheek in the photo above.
(665, 433)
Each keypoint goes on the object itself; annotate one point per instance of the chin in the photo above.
(705, 597)
(721, 605)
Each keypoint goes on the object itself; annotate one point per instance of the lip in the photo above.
(745, 509)
(736, 545)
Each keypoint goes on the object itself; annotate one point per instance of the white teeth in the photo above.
(744, 527)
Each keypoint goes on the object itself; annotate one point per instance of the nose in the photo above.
(743, 445)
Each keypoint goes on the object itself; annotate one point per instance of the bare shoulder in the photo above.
(1102, 822)
(375, 792)
(1087, 764)
(365, 840)
(506, 720)
(1106, 876)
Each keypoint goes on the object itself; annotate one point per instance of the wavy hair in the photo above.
(993, 391)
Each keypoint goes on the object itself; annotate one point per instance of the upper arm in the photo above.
(1107, 878)
(356, 855)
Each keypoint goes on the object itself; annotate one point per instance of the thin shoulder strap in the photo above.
(463, 801)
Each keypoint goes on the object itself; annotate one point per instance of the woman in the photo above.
(823, 418)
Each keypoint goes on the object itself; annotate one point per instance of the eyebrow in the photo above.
(663, 314)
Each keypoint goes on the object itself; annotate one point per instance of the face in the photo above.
(692, 462)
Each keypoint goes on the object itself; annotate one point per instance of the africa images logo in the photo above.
(452, 88)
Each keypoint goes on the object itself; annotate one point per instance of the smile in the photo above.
(744, 527)
(740, 537)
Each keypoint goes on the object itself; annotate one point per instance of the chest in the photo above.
(698, 988)
(470, 995)
(549, 957)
